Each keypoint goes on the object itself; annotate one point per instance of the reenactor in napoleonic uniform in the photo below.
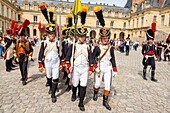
(50, 52)
(105, 62)
(82, 66)
(67, 41)
(167, 49)
(42, 58)
(10, 42)
(23, 51)
(149, 55)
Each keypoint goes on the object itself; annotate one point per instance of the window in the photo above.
(142, 21)
(15, 16)
(111, 24)
(154, 18)
(115, 36)
(2, 10)
(133, 23)
(129, 23)
(35, 19)
(3, 26)
(137, 22)
(19, 17)
(124, 25)
(11, 14)
(35, 32)
(7, 25)
(162, 19)
(97, 23)
(7, 12)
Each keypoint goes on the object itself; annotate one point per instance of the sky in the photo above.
(110, 2)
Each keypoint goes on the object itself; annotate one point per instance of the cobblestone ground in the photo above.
(129, 92)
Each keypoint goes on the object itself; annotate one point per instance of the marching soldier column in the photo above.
(83, 61)
(104, 60)
(50, 52)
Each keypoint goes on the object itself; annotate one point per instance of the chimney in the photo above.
(107, 4)
(100, 3)
(113, 4)
(96, 3)
(67, 0)
(104, 4)
(88, 2)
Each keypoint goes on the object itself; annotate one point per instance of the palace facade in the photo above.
(133, 19)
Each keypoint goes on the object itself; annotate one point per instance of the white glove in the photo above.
(17, 60)
(114, 74)
(15, 55)
(97, 69)
(29, 58)
(155, 58)
(146, 56)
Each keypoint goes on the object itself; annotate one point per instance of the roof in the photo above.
(64, 3)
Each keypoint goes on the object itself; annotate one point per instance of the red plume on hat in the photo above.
(39, 26)
(15, 29)
(12, 24)
(26, 23)
(154, 27)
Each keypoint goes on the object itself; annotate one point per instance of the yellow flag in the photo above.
(77, 7)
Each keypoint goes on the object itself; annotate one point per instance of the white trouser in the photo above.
(80, 73)
(52, 67)
(9, 54)
(106, 73)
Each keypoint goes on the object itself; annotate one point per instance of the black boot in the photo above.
(47, 83)
(168, 57)
(7, 66)
(74, 90)
(105, 102)
(49, 80)
(12, 65)
(144, 74)
(164, 57)
(95, 96)
(24, 82)
(153, 76)
(79, 90)
(54, 88)
(82, 96)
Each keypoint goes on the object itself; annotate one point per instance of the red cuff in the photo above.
(115, 69)
(144, 55)
(40, 65)
(95, 66)
(68, 66)
(91, 69)
(156, 56)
